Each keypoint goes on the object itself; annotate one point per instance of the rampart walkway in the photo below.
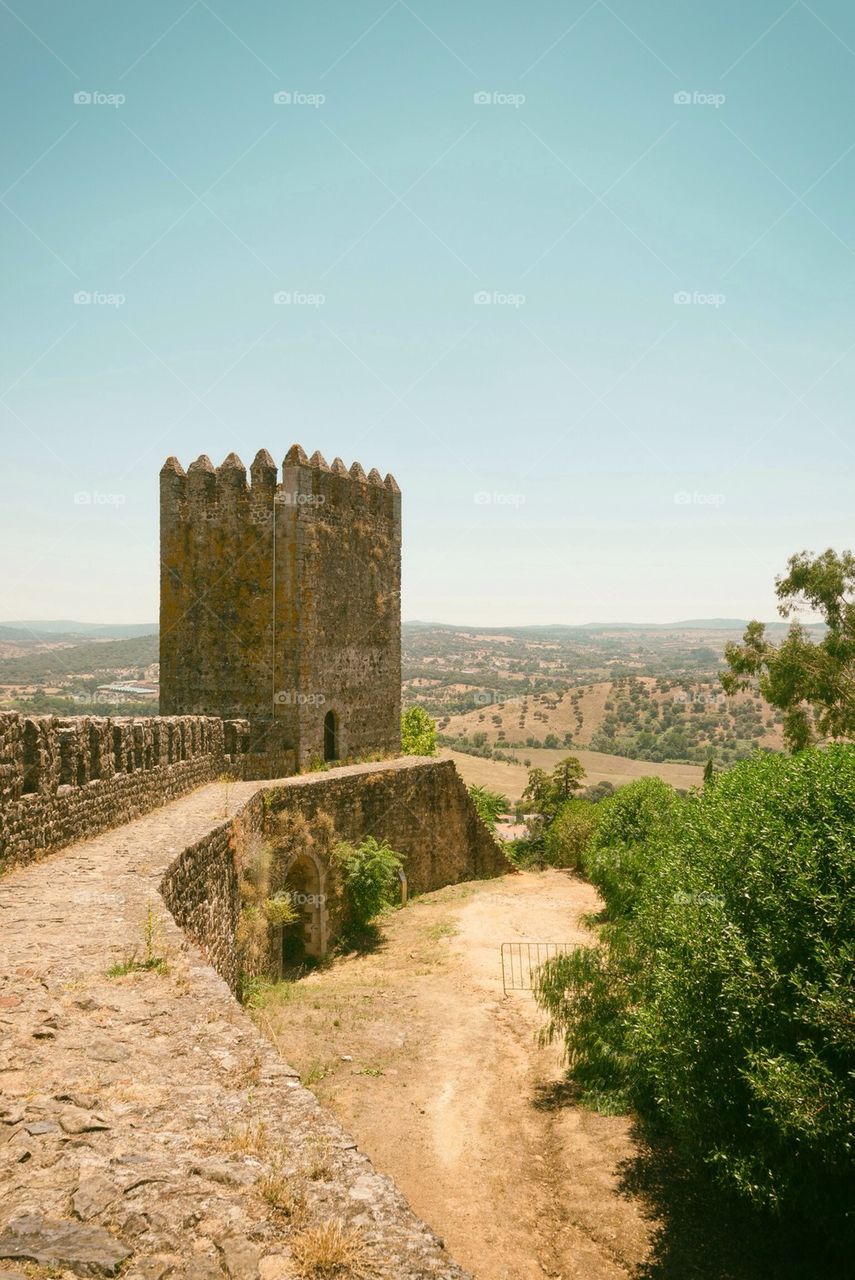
(143, 1119)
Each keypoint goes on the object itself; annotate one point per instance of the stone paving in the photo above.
(146, 1126)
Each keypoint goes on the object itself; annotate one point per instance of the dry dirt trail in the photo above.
(439, 1078)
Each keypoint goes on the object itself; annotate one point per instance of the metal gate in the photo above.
(521, 961)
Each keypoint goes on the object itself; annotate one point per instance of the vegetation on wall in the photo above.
(370, 873)
(488, 804)
(262, 905)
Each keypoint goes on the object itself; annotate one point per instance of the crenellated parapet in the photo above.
(207, 492)
(64, 778)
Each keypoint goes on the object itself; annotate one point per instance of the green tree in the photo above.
(547, 792)
(811, 682)
(717, 1002)
(418, 732)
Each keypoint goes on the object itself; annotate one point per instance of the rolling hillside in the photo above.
(639, 717)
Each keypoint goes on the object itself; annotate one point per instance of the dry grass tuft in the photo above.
(318, 1166)
(284, 1195)
(329, 1252)
(248, 1140)
(249, 1075)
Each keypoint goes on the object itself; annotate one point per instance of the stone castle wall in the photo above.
(125, 1100)
(420, 806)
(202, 891)
(280, 602)
(63, 780)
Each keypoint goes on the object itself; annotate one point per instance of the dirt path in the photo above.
(439, 1078)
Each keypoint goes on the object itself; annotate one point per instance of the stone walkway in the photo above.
(145, 1124)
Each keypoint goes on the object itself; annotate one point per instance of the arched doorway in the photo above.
(330, 736)
(306, 937)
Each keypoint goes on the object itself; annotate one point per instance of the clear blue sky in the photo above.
(642, 458)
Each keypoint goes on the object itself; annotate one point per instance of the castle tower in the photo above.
(280, 604)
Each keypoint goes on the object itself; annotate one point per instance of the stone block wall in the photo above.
(280, 604)
(63, 780)
(202, 891)
(419, 805)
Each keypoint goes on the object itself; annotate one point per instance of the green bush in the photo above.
(719, 1002)
(418, 732)
(489, 804)
(630, 828)
(370, 873)
(568, 836)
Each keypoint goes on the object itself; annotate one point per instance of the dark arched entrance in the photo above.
(330, 736)
(305, 938)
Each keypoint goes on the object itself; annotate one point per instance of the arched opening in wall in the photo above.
(331, 736)
(305, 939)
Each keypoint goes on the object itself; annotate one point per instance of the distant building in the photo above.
(130, 692)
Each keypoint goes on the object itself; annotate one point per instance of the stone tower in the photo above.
(280, 604)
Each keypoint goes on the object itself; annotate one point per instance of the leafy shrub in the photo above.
(418, 732)
(585, 996)
(489, 804)
(369, 872)
(631, 826)
(567, 838)
(720, 1003)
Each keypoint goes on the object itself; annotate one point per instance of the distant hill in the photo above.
(99, 658)
(53, 629)
(37, 631)
(544, 630)
(634, 716)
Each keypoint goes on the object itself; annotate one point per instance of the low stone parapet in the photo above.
(63, 780)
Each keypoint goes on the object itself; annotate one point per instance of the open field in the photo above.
(510, 779)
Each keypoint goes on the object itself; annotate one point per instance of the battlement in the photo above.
(204, 487)
(62, 779)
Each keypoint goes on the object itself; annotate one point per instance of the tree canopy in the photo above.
(811, 681)
(418, 732)
(547, 792)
